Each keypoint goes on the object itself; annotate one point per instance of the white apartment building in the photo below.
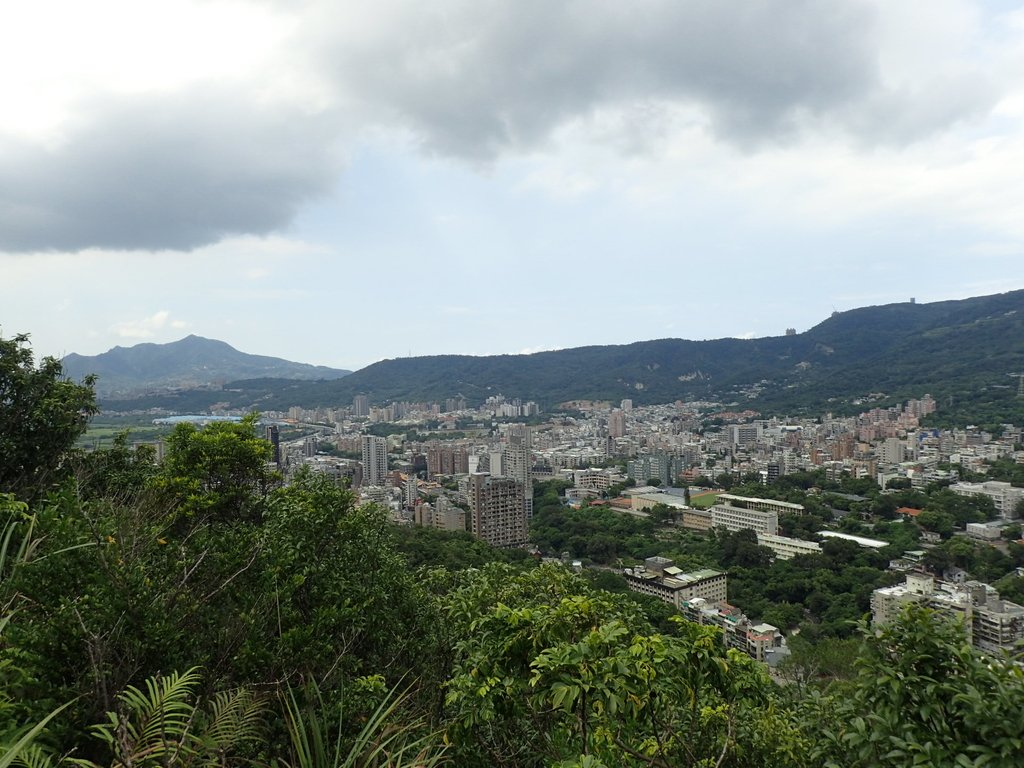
(1005, 496)
(375, 460)
(734, 513)
(992, 624)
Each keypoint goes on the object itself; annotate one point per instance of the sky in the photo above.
(338, 182)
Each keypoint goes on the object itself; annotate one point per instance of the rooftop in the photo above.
(861, 540)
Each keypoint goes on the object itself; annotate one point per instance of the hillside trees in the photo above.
(219, 472)
(121, 589)
(922, 696)
(42, 413)
(549, 672)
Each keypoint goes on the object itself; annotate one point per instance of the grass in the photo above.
(101, 433)
(704, 500)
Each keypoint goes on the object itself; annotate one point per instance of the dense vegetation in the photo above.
(199, 613)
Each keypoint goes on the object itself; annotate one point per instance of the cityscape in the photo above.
(512, 384)
(475, 469)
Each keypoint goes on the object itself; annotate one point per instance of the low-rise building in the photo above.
(786, 548)
(990, 531)
(660, 577)
(762, 642)
(736, 518)
(697, 519)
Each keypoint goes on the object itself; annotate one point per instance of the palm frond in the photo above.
(235, 718)
(154, 724)
(33, 756)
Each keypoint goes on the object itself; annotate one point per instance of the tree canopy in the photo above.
(42, 414)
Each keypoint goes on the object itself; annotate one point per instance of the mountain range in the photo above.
(187, 363)
(953, 349)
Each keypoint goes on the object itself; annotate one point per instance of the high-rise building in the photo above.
(375, 460)
(892, 450)
(745, 434)
(274, 438)
(360, 405)
(445, 460)
(657, 465)
(517, 463)
(617, 423)
(497, 511)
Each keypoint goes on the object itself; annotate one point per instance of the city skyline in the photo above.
(498, 178)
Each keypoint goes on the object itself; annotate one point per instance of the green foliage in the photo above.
(219, 472)
(1011, 586)
(923, 696)
(121, 472)
(824, 660)
(597, 533)
(42, 413)
(456, 551)
(162, 726)
(20, 749)
(337, 598)
(551, 673)
(384, 739)
(1007, 470)
(315, 587)
(979, 559)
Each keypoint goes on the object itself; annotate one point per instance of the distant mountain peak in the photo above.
(192, 361)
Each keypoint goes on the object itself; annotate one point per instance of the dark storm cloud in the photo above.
(164, 173)
(477, 78)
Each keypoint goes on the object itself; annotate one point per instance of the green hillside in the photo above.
(189, 362)
(947, 348)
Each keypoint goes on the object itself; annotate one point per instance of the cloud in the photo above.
(147, 327)
(152, 156)
(164, 172)
(477, 79)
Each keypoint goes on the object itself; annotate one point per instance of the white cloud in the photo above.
(147, 327)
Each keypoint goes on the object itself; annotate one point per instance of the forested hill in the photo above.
(967, 346)
(189, 362)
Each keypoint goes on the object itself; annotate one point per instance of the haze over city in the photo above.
(336, 184)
